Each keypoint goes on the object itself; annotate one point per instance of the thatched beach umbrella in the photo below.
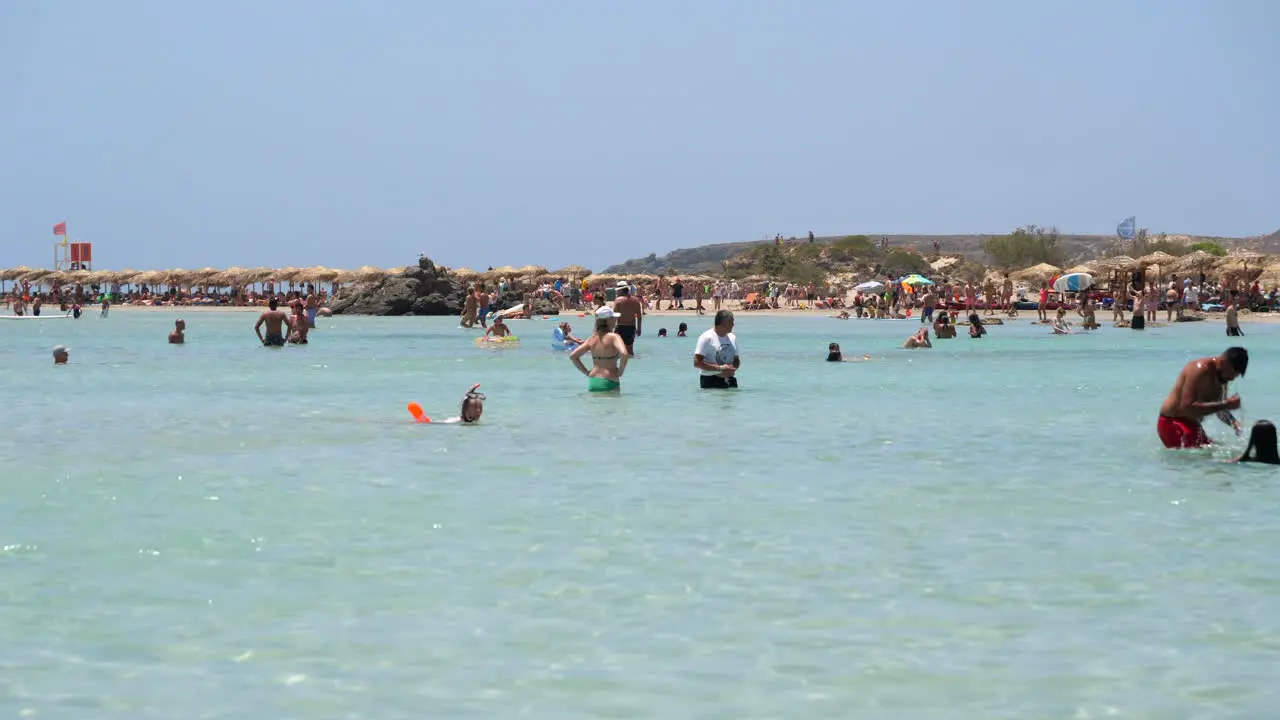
(531, 271)
(14, 273)
(1086, 269)
(369, 273)
(1163, 259)
(465, 272)
(575, 271)
(1197, 261)
(1240, 257)
(1041, 272)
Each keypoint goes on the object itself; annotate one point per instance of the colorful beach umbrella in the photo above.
(1073, 282)
(916, 279)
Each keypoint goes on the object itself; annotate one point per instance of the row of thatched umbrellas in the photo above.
(1195, 262)
(237, 277)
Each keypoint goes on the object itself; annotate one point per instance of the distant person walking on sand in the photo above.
(178, 335)
(1201, 391)
(1233, 316)
(716, 354)
(275, 321)
(629, 312)
(608, 355)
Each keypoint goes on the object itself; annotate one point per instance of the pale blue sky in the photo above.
(274, 132)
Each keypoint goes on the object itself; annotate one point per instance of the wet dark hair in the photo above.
(1238, 357)
(1262, 443)
(683, 326)
(723, 316)
(662, 332)
(472, 395)
(273, 303)
(833, 353)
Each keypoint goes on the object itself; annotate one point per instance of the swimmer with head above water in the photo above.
(919, 340)
(835, 355)
(472, 409)
(1200, 391)
(1262, 445)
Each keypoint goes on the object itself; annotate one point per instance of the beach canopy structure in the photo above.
(1041, 272)
(869, 286)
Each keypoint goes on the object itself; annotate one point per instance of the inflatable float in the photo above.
(35, 317)
(508, 341)
(558, 343)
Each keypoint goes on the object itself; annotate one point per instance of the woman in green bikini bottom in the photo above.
(607, 349)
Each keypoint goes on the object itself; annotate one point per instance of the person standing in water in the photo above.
(608, 355)
(629, 312)
(178, 335)
(716, 355)
(1200, 391)
(275, 321)
(1233, 316)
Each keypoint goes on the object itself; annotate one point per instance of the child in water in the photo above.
(1262, 445)
(472, 407)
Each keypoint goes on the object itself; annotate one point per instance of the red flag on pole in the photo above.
(60, 228)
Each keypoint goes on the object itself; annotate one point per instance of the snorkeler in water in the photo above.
(472, 409)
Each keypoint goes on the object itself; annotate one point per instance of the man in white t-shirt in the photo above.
(716, 354)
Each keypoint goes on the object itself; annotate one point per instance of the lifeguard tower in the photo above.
(70, 255)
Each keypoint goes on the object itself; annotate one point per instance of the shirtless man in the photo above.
(300, 325)
(313, 306)
(482, 302)
(919, 340)
(275, 321)
(1200, 391)
(629, 312)
(929, 301)
(468, 309)
(1233, 317)
(178, 336)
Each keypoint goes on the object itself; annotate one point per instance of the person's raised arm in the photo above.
(576, 358)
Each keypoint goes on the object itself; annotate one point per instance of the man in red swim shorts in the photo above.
(1200, 391)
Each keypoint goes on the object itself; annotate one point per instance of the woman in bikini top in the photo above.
(606, 347)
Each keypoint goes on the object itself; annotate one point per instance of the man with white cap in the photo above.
(60, 354)
(629, 312)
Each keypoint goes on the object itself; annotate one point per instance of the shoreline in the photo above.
(1025, 317)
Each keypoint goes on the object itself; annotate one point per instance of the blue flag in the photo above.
(1126, 228)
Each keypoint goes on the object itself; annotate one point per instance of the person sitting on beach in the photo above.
(919, 340)
(498, 329)
(607, 348)
(275, 321)
(976, 328)
(682, 330)
(178, 336)
(1262, 445)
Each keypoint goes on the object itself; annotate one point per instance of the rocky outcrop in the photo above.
(426, 289)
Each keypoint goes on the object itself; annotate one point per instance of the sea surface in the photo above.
(988, 529)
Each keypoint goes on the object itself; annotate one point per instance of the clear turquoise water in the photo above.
(988, 529)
